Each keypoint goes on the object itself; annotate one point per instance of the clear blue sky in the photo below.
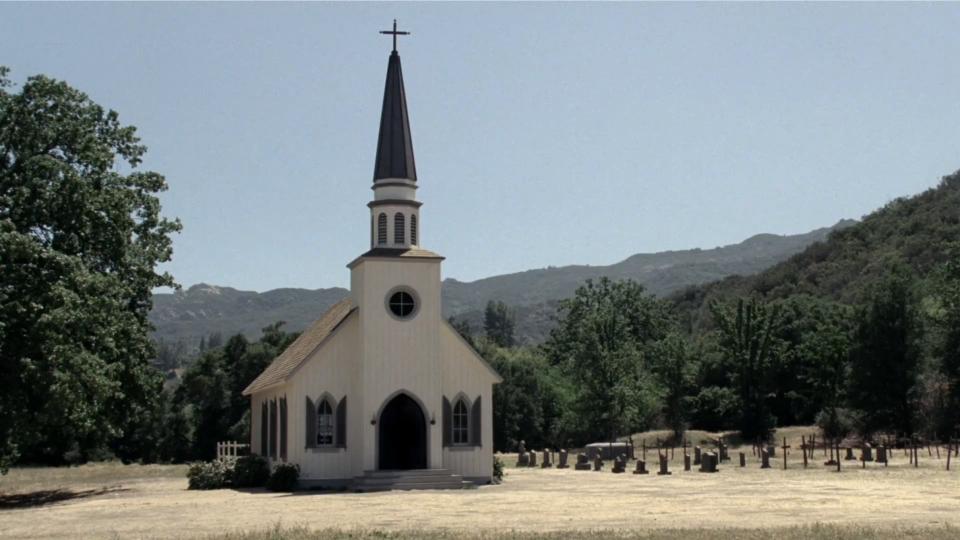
(545, 134)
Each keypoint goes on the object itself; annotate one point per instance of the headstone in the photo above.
(764, 459)
(882, 454)
(867, 452)
(709, 461)
(641, 467)
(583, 462)
(850, 456)
(697, 455)
(771, 450)
(722, 448)
(743, 459)
(597, 463)
(547, 460)
(663, 465)
(523, 459)
(620, 464)
(686, 462)
(533, 458)
(563, 459)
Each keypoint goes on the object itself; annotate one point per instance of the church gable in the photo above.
(457, 350)
(300, 350)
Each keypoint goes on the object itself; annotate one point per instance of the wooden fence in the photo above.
(231, 450)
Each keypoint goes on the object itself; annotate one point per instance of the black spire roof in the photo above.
(394, 146)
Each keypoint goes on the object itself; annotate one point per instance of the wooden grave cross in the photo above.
(785, 448)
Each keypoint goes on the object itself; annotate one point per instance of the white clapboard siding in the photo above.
(399, 355)
(326, 372)
(462, 372)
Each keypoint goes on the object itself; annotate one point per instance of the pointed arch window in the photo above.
(381, 229)
(413, 229)
(461, 420)
(399, 235)
(325, 423)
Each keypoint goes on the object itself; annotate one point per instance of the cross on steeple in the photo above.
(394, 33)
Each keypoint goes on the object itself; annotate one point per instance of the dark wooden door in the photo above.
(403, 435)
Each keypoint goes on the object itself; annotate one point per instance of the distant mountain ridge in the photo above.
(203, 309)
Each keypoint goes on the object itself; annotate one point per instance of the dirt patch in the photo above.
(529, 500)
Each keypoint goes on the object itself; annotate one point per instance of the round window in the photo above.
(402, 304)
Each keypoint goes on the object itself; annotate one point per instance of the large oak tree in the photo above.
(81, 235)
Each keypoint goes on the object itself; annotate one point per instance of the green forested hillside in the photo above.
(912, 232)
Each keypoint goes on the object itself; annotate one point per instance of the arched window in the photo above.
(381, 229)
(413, 229)
(325, 423)
(398, 233)
(460, 419)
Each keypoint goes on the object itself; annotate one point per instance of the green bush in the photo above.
(497, 470)
(210, 475)
(836, 422)
(284, 477)
(251, 471)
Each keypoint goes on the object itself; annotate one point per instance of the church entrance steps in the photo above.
(411, 479)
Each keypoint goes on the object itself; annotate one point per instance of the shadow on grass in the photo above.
(40, 498)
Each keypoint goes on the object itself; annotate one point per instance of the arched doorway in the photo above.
(402, 435)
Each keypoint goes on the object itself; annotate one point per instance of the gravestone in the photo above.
(533, 458)
(722, 448)
(620, 464)
(522, 458)
(764, 459)
(697, 455)
(597, 463)
(641, 467)
(663, 466)
(709, 461)
(686, 462)
(547, 460)
(882, 454)
(867, 452)
(771, 450)
(563, 459)
(743, 459)
(850, 456)
(583, 462)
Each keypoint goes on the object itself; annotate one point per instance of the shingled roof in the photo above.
(409, 253)
(298, 351)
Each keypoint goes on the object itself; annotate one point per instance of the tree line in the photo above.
(618, 362)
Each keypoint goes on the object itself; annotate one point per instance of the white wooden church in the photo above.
(381, 392)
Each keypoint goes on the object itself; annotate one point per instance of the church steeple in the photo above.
(394, 146)
(394, 211)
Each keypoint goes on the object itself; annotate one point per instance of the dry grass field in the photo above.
(116, 501)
